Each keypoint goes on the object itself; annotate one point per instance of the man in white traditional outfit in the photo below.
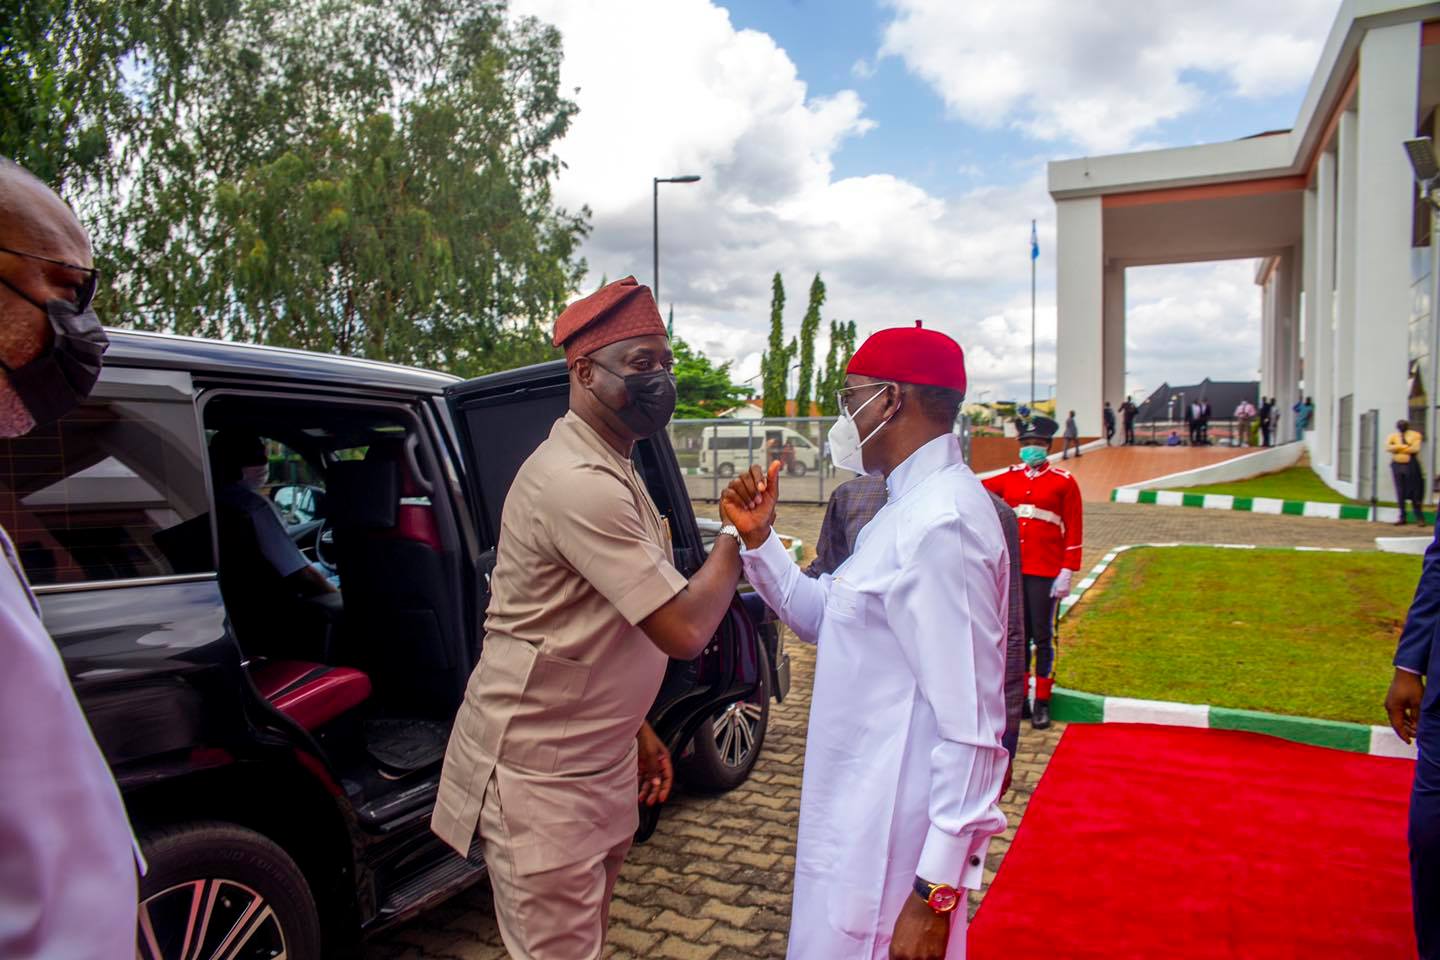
(904, 760)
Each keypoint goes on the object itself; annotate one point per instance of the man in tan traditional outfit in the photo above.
(586, 607)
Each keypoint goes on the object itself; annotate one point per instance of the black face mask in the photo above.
(62, 375)
(651, 399)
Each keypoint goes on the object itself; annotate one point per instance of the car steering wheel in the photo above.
(325, 543)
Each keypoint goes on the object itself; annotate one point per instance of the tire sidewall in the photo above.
(704, 770)
(216, 850)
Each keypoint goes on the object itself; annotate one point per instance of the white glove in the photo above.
(1061, 586)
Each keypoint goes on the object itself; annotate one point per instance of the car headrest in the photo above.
(363, 494)
(404, 452)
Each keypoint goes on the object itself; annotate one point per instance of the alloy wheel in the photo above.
(736, 732)
(209, 919)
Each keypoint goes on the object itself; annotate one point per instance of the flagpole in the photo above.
(1032, 317)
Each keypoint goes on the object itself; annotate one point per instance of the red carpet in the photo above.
(1147, 842)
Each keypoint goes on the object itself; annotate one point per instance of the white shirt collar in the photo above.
(1036, 471)
(940, 452)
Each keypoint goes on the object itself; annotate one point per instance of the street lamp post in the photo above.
(655, 223)
(1421, 151)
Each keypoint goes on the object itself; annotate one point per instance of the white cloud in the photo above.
(1101, 73)
(1185, 323)
(727, 104)
(862, 69)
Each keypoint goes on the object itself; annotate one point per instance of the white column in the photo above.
(1114, 337)
(1305, 360)
(1287, 342)
(1385, 195)
(1346, 261)
(1267, 330)
(1079, 335)
(1320, 363)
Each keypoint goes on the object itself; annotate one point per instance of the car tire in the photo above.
(725, 748)
(726, 469)
(230, 879)
(798, 469)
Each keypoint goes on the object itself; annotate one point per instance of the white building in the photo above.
(1329, 209)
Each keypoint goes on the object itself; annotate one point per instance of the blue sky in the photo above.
(899, 147)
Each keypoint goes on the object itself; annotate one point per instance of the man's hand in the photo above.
(749, 503)
(921, 933)
(1403, 703)
(656, 774)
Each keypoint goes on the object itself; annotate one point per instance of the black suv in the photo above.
(279, 757)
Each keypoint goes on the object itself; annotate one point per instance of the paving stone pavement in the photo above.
(714, 881)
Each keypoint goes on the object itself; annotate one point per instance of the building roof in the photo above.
(1284, 154)
(1224, 397)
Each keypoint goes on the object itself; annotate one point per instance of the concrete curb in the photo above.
(1075, 706)
(1294, 508)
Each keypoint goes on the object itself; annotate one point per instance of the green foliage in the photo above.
(704, 389)
(355, 176)
(775, 362)
(809, 327)
(842, 348)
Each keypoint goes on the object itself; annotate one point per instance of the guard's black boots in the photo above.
(1041, 718)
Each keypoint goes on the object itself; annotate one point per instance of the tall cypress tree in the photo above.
(842, 348)
(809, 327)
(775, 362)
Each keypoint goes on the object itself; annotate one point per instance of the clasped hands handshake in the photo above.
(749, 503)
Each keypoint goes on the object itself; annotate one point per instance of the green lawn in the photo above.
(1305, 634)
(1292, 483)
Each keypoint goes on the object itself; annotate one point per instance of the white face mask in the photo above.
(255, 477)
(845, 442)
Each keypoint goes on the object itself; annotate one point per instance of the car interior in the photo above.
(376, 669)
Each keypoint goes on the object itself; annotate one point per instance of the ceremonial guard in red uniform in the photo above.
(1047, 502)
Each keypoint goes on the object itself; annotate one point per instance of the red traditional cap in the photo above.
(615, 312)
(911, 355)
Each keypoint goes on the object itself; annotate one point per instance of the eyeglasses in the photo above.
(86, 293)
(840, 394)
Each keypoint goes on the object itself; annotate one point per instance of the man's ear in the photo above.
(583, 371)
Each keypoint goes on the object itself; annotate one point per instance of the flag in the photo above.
(1034, 242)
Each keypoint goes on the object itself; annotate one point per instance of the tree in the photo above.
(842, 348)
(704, 388)
(809, 327)
(775, 362)
(367, 177)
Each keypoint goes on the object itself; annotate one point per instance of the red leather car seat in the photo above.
(311, 694)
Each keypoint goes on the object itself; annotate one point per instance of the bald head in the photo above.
(34, 221)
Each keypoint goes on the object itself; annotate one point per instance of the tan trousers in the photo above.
(559, 914)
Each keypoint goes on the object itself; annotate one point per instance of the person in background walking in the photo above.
(1192, 421)
(1267, 416)
(1109, 423)
(1417, 660)
(1205, 414)
(1128, 412)
(1303, 411)
(1404, 448)
(1244, 414)
(1072, 437)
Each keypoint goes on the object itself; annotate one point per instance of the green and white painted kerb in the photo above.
(1075, 706)
(1270, 505)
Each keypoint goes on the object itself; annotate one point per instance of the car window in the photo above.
(115, 490)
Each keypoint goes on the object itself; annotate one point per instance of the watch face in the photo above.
(943, 899)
